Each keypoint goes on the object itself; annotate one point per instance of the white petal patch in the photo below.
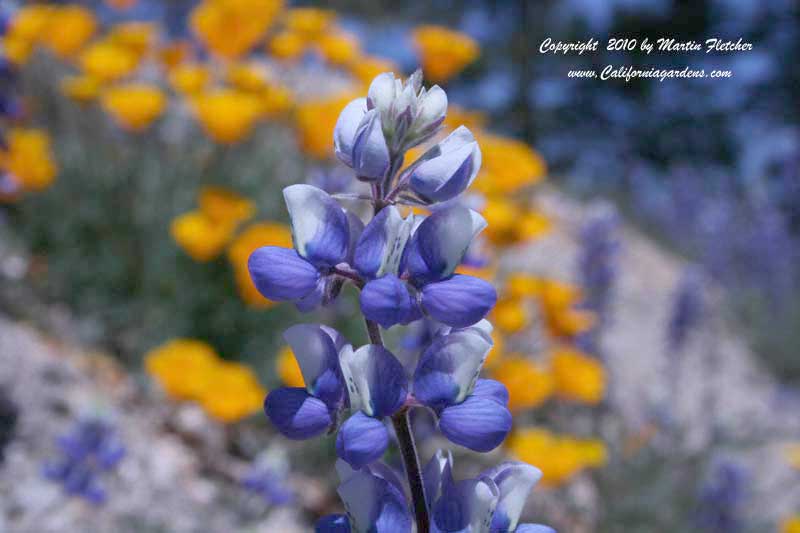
(467, 349)
(398, 231)
(345, 357)
(356, 365)
(515, 480)
(482, 496)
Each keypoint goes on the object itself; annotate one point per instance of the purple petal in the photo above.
(478, 423)
(370, 153)
(318, 359)
(320, 228)
(297, 414)
(494, 390)
(280, 274)
(344, 133)
(440, 242)
(448, 168)
(388, 302)
(361, 440)
(459, 301)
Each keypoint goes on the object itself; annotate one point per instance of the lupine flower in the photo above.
(305, 412)
(447, 169)
(597, 263)
(529, 383)
(134, 106)
(687, 308)
(227, 116)
(578, 377)
(374, 499)
(89, 449)
(377, 387)
(270, 485)
(428, 262)
(444, 52)
(212, 21)
(321, 231)
(491, 502)
(560, 457)
(721, 498)
(245, 243)
(70, 27)
(472, 412)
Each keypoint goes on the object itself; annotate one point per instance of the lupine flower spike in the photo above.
(405, 269)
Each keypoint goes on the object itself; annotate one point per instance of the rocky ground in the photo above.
(170, 484)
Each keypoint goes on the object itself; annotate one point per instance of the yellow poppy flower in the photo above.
(227, 116)
(31, 22)
(315, 121)
(288, 369)
(70, 27)
(253, 237)
(558, 301)
(275, 100)
(521, 285)
(189, 78)
(443, 52)
(136, 37)
(225, 206)
(459, 116)
(559, 457)
(173, 54)
(183, 367)
(578, 377)
(310, 22)
(200, 236)
(339, 48)
(507, 165)
(496, 352)
(108, 62)
(121, 5)
(80, 88)
(502, 217)
(29, 159)
(287, 45)
(529, 384)
(791, 524)
(230, 28)
(232, 393)
(134, 106)
(510, 315)
(533, 225)
(17, 50)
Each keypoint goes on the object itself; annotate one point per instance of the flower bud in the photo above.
(448, 168)
(387, 301)
(344, 133)
(370, 156)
